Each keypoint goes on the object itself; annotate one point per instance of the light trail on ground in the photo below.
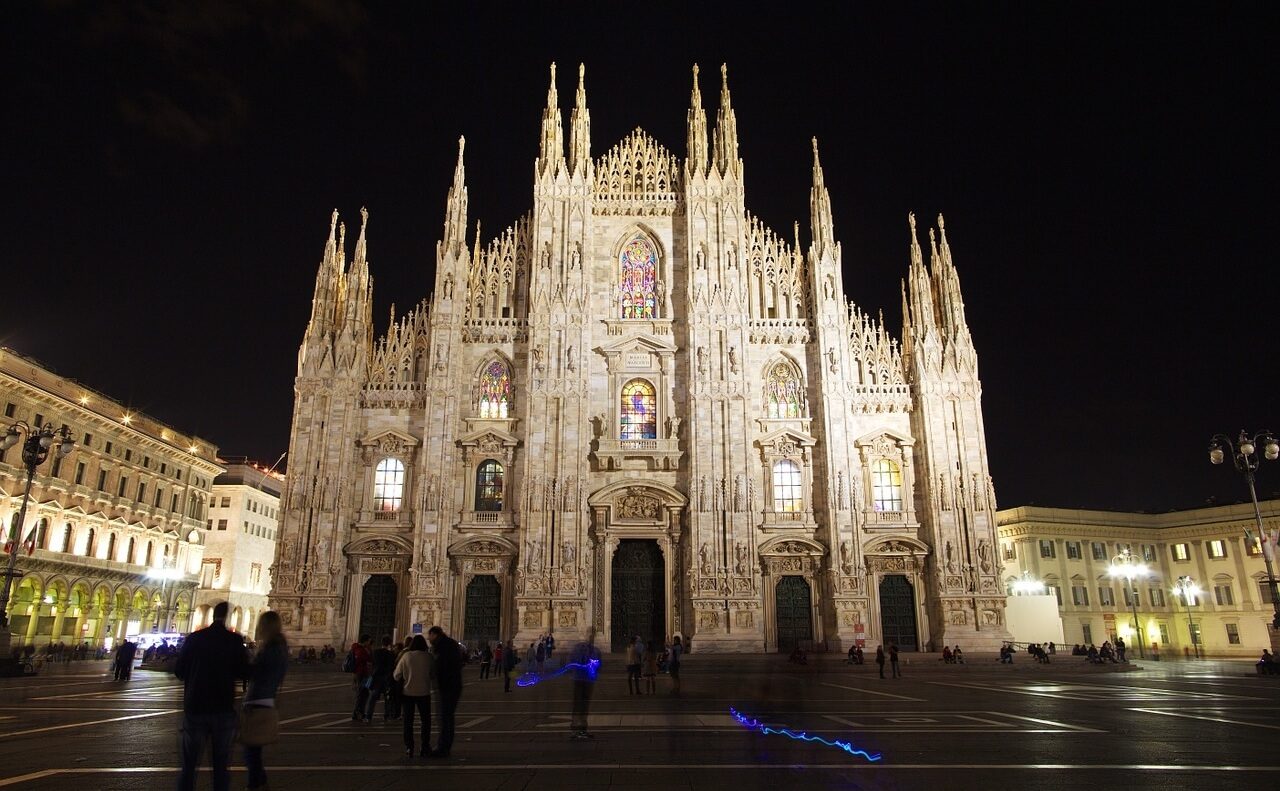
(756, 725)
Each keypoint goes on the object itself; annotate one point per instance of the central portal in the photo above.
(483, 609)
(898, 612)
(638, 606)
(378, 607)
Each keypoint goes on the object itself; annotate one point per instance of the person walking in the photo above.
(497, 656)
(486, 659)
(381, 665)
(893, 660)
(415, 671)
(212, 660)
(880, 659)
(510, 658)
(586, 664)
(1120, 650)
(530, 659)
(448, 656)
(649, 662)
(266, 672)
(673, 664)
(395, 690)
(361, 667)
(541, 655)
(634, 651)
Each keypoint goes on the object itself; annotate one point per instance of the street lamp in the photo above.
(1244, 455)
(35, 449)
(1027, 585)
(1132, 569)
(1189, 591)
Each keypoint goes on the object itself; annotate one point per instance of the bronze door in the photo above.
(378, 607)
(898, 612)
(638, 595)
(484, 605)
(793, 611)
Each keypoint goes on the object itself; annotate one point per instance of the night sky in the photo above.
(1108, 174)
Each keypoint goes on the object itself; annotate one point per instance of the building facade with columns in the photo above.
(113, 535)
(240, 545)
(1071, 551)
(639, 409)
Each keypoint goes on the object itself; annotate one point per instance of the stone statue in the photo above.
(538, 364)
(567, 554)
(740, 556)
(673, 427)
(535, 555)
(448, 286)
(846, 556)
(570, 364)
(704, 559)
(702, 360)
(575, 258)
(602, 425)
(984, 555)
(951, 561)
(733, 359)
(428, 554)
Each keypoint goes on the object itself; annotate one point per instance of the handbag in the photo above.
(259, 725)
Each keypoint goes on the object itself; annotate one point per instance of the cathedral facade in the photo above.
(639, 410)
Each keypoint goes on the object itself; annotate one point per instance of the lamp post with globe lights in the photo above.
(1187, 589)
(1245, 458)
(40, 440)
(1129, 567)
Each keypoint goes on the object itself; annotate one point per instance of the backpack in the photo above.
(349, 664)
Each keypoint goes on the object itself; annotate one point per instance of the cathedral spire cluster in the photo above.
(724, 139)
(551, 148)
(696, 145)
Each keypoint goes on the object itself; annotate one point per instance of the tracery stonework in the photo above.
(638, 358)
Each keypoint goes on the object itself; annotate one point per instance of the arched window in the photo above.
(788, 492)
(495, 390)
(388, 485)
(150, 550)
(782, 393)
(886, 485)
(639, 411)
(66, 538)
(639, 262)
(111, 546)
(131, 557)
(88, 544)
(42, 533)
(489, 479)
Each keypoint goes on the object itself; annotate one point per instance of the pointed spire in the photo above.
(324, 298)
(475, 253)
(551, 150)
(820, 208)
(725, 138)
(360, 253)
(696, 148)
(920, 287)
(947, 286)
(580, 129)
(455, 211)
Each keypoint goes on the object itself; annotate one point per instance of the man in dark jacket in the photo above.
(212, 660)
(510, 658)
(381, 666)
(449, 679)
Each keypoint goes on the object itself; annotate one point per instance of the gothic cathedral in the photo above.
(640, 411)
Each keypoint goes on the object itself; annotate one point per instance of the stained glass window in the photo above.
(489, 486)
(639, 261)
(886, 485)
(388, 485)
(639, 411)
(495, 390)
(782, 394)
(788, 492)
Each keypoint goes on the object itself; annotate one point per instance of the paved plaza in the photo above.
(1207, 724)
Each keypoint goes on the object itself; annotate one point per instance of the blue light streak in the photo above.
(592, 666)
(756, 725)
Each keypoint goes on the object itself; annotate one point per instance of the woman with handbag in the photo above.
(259, 721)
